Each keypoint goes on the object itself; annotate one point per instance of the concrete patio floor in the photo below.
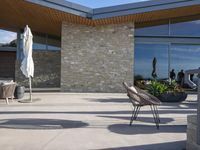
(70, 121)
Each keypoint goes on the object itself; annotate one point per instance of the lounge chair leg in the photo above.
(137, 112)
(157, 112)
(7, 102)
(155, 116)
(133, 116)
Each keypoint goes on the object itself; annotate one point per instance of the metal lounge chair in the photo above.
(141, 98)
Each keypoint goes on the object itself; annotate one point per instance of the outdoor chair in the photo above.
(141, 98)
(7, 91)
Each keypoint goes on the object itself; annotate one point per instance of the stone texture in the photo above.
(192, 133)
(96, 59)
(47, 70)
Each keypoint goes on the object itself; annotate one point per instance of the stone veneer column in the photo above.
(96, 59)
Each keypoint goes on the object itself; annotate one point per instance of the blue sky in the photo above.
(103, 3)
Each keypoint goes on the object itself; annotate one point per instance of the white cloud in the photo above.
(6, 36)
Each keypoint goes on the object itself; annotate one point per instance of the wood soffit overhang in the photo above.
(15, 14)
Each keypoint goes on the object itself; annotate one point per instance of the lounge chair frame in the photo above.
(140, 99)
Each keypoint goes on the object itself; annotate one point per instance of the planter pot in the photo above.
(19, 92)
(173, 97)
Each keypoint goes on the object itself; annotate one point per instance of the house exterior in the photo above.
(80, 49)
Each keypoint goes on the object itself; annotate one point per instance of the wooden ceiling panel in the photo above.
(15, 14)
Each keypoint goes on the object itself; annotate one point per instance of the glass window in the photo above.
(148, 54)
(190, 28)
(8, 39)
(39, 42)
(160, 30)
(185, 57)
(53, 43)
(45, 42)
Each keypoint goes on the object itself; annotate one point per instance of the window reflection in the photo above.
(175, 28)
(185, 57)
(45, 42)
(160, 30)
(148, 54)
(190, 28)
(180, 43)
(54, 43)
(39, 42)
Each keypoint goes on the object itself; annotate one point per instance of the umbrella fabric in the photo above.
(27, 65)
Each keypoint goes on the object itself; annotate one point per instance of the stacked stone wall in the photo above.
(96, 59)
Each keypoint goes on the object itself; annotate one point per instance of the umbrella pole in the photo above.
(30, 88)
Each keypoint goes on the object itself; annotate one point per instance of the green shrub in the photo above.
(156, 88)
(174, 87)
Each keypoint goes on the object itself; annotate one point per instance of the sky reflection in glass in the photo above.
(190, 28)
(181, 57)
(153, 30)
(185, 57)
(144, 55)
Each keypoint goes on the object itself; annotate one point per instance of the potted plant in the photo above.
(167, 91)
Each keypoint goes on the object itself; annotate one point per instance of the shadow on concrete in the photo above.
(38, 124)
(146, 129)
(174, 111)
(110, 100)
(177, 145)
(165, 105)
(141, 119)
(190, 105)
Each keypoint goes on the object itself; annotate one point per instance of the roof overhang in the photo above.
(65, 6)
(47, 15)
(141, 7)
(115, 11)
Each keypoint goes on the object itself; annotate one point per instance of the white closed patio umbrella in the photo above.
(27, 65)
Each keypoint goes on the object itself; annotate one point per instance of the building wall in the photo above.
(96, 59)
(47, 70)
